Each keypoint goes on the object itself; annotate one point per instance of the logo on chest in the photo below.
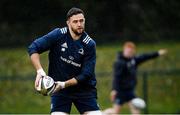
(64, 47)
(81, 51)
(71, 57)
(70, 61)
(131, 63)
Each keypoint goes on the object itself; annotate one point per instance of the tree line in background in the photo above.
(21, 21)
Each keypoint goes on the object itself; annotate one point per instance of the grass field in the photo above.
(18, 95)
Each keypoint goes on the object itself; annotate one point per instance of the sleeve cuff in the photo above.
(157, 54)
(32, 49)
(32, 52)
(79, 78)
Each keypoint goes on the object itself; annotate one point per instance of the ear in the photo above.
(67, 22)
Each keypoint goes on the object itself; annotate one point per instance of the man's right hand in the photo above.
(113, 95)
(40, 73)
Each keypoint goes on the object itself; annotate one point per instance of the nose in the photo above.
(79, 23)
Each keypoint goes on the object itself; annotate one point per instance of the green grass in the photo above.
(18, 96)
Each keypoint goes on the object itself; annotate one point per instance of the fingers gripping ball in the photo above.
(46, 85)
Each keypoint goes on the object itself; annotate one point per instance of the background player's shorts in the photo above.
(124, 96)
(63, 104)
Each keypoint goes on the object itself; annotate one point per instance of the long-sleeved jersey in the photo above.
(69, 58)
(125, 70)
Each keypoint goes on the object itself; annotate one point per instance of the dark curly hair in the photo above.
(74, 11)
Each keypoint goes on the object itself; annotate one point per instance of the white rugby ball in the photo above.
(46, 85)
(138, 103)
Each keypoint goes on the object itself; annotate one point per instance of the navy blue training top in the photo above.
(69, 58)
(125, 70)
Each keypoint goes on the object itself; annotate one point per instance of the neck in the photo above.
(74, 36)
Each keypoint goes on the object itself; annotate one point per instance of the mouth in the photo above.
(80, 28)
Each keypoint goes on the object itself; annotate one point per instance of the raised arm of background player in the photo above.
(144, 57)
(44, 43)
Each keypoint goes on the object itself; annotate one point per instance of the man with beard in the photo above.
(72, 59)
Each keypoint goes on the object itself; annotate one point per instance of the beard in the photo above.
(78, 31)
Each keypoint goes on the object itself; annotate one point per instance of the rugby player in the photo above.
(125, 78)
(72, 60)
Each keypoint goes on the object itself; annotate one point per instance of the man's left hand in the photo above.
(59, 85)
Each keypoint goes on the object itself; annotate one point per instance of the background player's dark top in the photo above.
(125, 71)
(68, 59)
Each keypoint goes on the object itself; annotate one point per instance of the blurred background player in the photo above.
(125, 79)
(72, 59)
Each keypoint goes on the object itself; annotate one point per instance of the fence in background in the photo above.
(144, 76)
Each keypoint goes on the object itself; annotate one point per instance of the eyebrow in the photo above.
(78, 19)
